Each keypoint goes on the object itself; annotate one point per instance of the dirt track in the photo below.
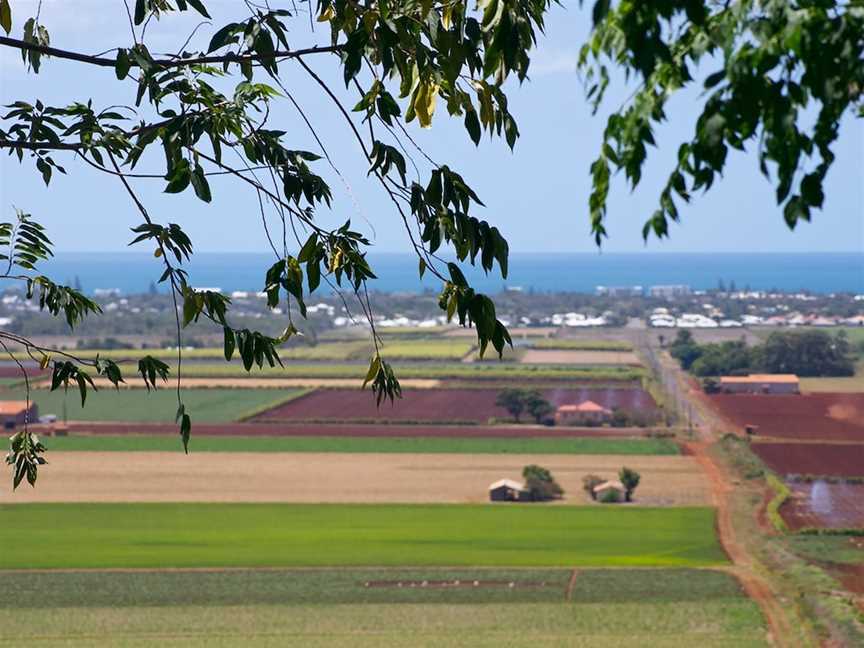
(336, 477)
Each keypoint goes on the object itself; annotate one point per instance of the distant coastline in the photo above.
(133, 272)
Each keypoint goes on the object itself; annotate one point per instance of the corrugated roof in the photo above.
(509, 483)
(12, 408)
(761, 378)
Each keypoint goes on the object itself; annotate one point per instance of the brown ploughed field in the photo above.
(829, 417)
(579, 357)
(840, 460)
(338, 477)
(454, 405)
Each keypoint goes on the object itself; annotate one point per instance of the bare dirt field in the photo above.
(562, 356)
(437, 405)
(332, 477)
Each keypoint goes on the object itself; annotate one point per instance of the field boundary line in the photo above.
(571, 584)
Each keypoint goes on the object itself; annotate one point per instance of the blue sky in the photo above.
(536, 195)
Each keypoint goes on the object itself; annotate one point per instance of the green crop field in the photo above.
(576, 344)
(457, 370)
(140, 406)
(539, 445)
(443, 349)
(318, 608)
(295, 535)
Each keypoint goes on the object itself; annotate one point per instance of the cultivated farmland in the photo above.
(208, 405)
(842, 460)
(812, 416)
(540, 608)
(457, 405)
(579, 357)
(342, 477)
(821, 504)
(286, 535)
(596, 445)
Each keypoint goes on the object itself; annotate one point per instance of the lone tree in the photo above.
(630, 479)
(537, 406)
(513, 400)
(205, 109)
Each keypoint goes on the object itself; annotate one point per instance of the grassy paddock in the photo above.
(160, 406)
(296, 535)
(467, 371)
(327, 608)
(540, 445)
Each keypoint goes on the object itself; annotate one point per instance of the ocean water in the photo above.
(819, 273)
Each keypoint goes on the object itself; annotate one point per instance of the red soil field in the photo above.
(436, 405)
(9, 370)
(840, 460)
(823, 505)
(281, 429)
(829, 417)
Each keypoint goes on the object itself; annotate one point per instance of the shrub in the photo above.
(541, 484)
(610, 496)
(589, 482)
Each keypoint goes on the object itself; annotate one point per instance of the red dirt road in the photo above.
(437, 405)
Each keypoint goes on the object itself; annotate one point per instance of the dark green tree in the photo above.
(537, 406)
(541, 484)
(630, 480)
(513, 400)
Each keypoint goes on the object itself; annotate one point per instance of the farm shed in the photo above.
(760, 384)
(609, 486)
(507, 490)
(13, 413)
(583, 412)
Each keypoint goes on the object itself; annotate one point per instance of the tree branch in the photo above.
(166, 63)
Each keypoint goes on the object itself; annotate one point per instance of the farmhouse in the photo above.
(604, 490)
(508, 490)
(586, 411)
(13, 413)
(760, 384)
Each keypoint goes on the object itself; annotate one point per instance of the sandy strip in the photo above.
(337, 477)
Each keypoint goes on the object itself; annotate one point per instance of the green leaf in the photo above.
(601, 9)
(199, 7)
(121, 67)
(472, 125)
(230, 343)
(140, 11)
(185, 431)
(5, 16)
(199, 183)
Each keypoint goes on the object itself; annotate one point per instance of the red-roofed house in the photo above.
(583, 412)
(13, 413)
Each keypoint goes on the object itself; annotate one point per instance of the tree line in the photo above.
(810, 353)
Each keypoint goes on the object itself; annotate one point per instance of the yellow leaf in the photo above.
(447, 16)
(44, 360)
(327, 15)
(158, 253)
(424, 103)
